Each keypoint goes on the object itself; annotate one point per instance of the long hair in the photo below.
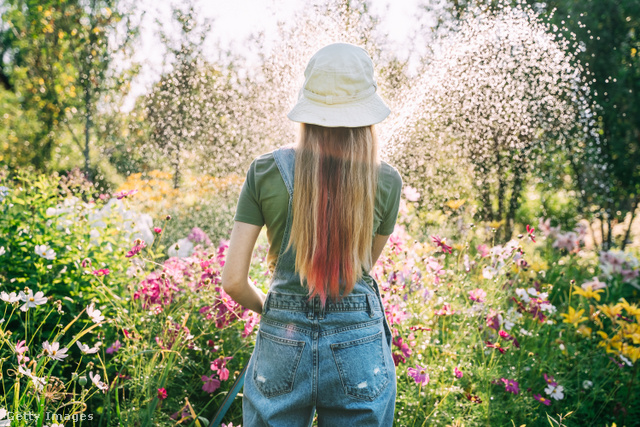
(335, 182)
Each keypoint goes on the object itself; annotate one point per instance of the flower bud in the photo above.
(82, 381)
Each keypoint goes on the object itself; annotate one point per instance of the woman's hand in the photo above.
(235, 273)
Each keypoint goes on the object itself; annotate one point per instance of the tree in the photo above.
(609, 36)
(503, 93)
(57, 57)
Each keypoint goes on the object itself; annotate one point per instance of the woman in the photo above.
(324, 343)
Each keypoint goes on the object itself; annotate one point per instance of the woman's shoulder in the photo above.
(390, 175)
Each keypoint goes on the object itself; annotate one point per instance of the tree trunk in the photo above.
(87, 129)
(633, 214)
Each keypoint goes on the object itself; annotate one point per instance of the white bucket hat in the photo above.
(339, 89)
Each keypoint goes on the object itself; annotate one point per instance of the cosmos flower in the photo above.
(441, 242)
(510, 386)
(211, 384)
(530, 231)
(162, 393)
(477, 295)
(9, 298)
(136, 249)
(101, 272)
(95, 315)
(95, 379)
(114, 347)
(541, 399)
(419, 374)
(457, 372)
(88, 350)
(54, 351)
(31, 300)
(45, 252)
(555, 391)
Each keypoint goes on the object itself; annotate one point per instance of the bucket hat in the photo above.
(339, 89)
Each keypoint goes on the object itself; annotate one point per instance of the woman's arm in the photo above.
(377, 246)
(235, 273)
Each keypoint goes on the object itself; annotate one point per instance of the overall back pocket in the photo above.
(362, 366)
(276, 363)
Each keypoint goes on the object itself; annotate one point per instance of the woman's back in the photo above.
(264, 197)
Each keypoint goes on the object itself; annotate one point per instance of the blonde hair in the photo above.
(336, 177)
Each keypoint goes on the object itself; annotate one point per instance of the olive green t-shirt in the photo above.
(264, 201)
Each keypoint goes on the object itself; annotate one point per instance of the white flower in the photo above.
(89, 350)
(9, 298)
(586, 384)
(625, 360)
(31, 300)
(549, 308)
(95, 379)
(54, 351)
(45, 252)
(3, 192)
(555, 392)
(523, 295)
(181, 249)
(38, 382)
(3, 422)
(95, 315)
(2, 250)
(525, 332)
(488, 272)
(534, 293)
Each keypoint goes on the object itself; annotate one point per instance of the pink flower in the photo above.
(411, 193)
(594, 284)
(419, 374)
(441, 242)
(505, 335)
(157, 230)
(101, 272)
(483, 250)
(434, 267)
(477, 295)
(445, 310)
(396, 314)
(550, 380)
(220, 365)
(404, 348)
(494, 319)
(457, 372)
(162, 393)
(541, 399)
(114, 347)
(497, 346)
(530, 231)
(136, 249)
(211, 384)
(125, 193)
(510, 385)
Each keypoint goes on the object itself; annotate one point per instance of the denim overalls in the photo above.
(335, 361)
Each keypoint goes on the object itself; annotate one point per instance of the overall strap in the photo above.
(285, 158)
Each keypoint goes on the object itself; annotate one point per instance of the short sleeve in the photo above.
(392, 206)
(248, 209)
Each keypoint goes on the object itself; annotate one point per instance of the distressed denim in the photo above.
(334, 361)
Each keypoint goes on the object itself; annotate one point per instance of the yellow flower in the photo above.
(632, 309)
(611, 311)
(587, 293)
(574, 317)
(584, 330)
(496, 224)
(455, 204)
